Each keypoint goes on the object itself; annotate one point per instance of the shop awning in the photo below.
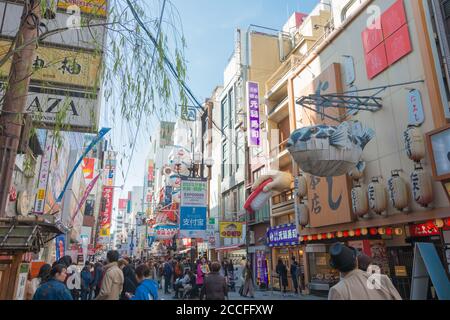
(25, 234)
(230, 248)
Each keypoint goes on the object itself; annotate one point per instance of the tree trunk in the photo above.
(11, 118)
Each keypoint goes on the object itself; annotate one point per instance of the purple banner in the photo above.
(262, 273)
(254, 132)
(284, 235)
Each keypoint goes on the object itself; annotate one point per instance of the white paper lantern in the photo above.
(360, 201)
(398, 192)
(357, 172)
(302, 186)
(414, 144)
(303, 214)
(377, 196)
(422, 187)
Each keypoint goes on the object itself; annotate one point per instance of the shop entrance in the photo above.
(401, 261)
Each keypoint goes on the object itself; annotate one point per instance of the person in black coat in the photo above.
(282, 273)
(130, 283)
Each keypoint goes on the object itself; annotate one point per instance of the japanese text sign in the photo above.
(106, 211)
(230, 230)
(254, 131)
(284, 235)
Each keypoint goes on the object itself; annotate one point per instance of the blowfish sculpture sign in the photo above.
(329, 151)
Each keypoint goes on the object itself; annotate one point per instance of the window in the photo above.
(232, 99)
(225, 113)
(225, 160)
(240, 149)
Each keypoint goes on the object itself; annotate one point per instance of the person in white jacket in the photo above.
(356, 284)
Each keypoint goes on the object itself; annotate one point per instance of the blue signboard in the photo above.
(283, 235)
(60, 246)
(168, 196)
(193, 208)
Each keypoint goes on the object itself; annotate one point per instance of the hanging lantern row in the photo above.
(354, 233)
(376, 197)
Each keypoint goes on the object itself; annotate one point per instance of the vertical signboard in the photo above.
(43, 175)
(106, 211)
(254, 131)
(193, 208)
(60, 246)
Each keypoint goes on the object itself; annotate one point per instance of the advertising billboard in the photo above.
(106, 211)
(193, 208)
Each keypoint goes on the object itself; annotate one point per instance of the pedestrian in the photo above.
(202, 271)
(160, 273)
(98, 273)
(130, 283)
(148, 288)
(168, 272)
(248, 281)
(54, 288)
(364, 261)
(294, 274)
(112, 282)
(214, 287)
(184, 283)
(33, 284)
(282, 273)
(355, 283)
(178, 269)
(86, 281)
(122, 263)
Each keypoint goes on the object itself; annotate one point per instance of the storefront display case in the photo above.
(322, 276)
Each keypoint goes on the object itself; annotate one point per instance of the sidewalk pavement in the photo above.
(259, 295)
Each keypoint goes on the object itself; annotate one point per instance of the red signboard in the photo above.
(376, 61)
(384, 47)
(423, 230)
(398, 45)
(106, 210)
(123, 204)
(151, 170)
(393, 18)
(372, 37)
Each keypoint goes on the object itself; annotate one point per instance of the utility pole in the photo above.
(11, 118)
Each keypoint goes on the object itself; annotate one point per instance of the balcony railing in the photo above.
(275, 152)
(283, 197)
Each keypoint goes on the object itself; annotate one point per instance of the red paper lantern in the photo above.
(389, 231)
(358, 232)
(315, 237)
(373, 231)
(345, 234)
(324, 236)
(447, 222)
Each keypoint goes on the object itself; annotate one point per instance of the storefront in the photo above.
(284, 241)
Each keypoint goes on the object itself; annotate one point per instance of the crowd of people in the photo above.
(119, 278)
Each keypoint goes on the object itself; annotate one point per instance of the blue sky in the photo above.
(209, 27)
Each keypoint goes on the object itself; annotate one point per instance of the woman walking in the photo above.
(215, 286)
(130, 282)
(248, 281)
(282, 273)
(202, 271)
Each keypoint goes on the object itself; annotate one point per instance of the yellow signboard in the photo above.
(105, 232)
(60, 66)
(95, 7)
(230, 229)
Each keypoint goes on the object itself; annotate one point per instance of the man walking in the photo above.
(168, 272)
(294, 274)
(355, 283)
(113, 279)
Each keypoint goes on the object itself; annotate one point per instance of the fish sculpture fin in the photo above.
(340, 137)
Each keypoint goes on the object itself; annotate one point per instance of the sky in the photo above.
(209, 28)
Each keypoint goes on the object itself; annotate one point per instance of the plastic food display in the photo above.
(258, 198)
